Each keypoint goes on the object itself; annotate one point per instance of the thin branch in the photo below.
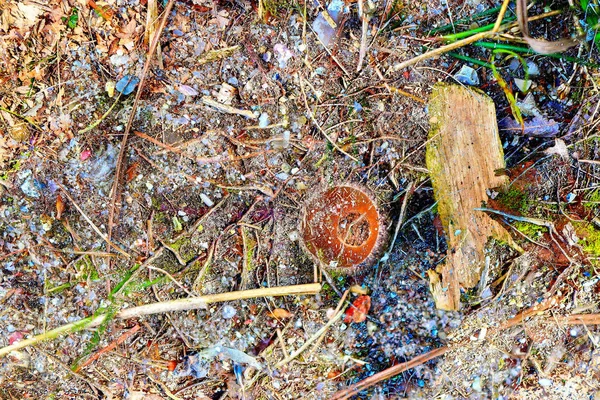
(192, 303)
(119, 171)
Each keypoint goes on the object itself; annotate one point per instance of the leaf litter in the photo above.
(236, 187)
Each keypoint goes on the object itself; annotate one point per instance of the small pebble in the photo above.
(228, 312)
(544, 382)
(206, 200)
(263, 120)
(467, 76)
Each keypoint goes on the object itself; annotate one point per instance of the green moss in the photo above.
(184, 247)
(590, 237)
(274, 7)
(593, 199)
(515, 200)
(161, 217)
(86, 269)
(530, 230)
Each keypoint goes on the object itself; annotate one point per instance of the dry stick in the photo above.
(108, 348)
(441, 50)
(388, 373)
(94, 227)
(310, 340)
(119, 170)
(164, 307)
(423, 358)
(335, 312)
(314, 121)
(500, 16)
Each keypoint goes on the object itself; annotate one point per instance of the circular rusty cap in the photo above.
(341, 228)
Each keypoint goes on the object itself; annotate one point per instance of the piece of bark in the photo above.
(463, 153)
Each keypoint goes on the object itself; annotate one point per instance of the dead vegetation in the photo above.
(158, 156)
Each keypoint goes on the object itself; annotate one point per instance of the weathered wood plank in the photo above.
(463, 153)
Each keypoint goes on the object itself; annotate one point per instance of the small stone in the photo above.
(228, 312)
(523, 85)
(532, 68)
(206, 200)
(467, 76)
(544, 382)
(263, 120)
(477, 385)
(127, 84)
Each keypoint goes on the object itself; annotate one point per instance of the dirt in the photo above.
(212, 202)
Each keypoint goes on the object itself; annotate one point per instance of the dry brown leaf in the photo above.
(60, 206)
(357, 313)
(539, 45)
(280, 313)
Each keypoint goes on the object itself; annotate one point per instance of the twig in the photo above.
(388, 373)
(312, 118)
(310, 340)
(108, 348)
(227, 109)
(119, 170)
(535, 221)
(164, 307)
(401, 218)
(335, 312)
(94, 227)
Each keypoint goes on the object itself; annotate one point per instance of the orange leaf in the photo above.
(358, 311)
(280, 313)
(132, 171)
(60, 206)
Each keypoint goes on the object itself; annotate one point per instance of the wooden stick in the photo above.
(388, 373)
(163, 307)
(108, 348)
(119, 171)
(310, 340)
(193, 303)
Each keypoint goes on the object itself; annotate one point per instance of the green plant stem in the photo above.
(469, 59)
(527, 50)
(467, 20)
(191, 303)
(471, 32)
(27, 119)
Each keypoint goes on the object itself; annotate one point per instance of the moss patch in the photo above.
(515, 200)
(590, 238)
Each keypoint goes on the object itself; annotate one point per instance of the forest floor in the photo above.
(249, 110)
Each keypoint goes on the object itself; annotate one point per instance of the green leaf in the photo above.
(73, 18)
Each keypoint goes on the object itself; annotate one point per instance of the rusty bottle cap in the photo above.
(342, 228)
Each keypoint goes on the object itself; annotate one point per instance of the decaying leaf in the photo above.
(357, 313)
(280, 313)
(539, 45)
(60, 206)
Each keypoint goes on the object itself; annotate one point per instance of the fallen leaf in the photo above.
(187, 90)
(357, 313)
(132, 171)
(15, 337)
(85, 155)
(280, 313)
(60, 206)
(538, 45)
(559, 148)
